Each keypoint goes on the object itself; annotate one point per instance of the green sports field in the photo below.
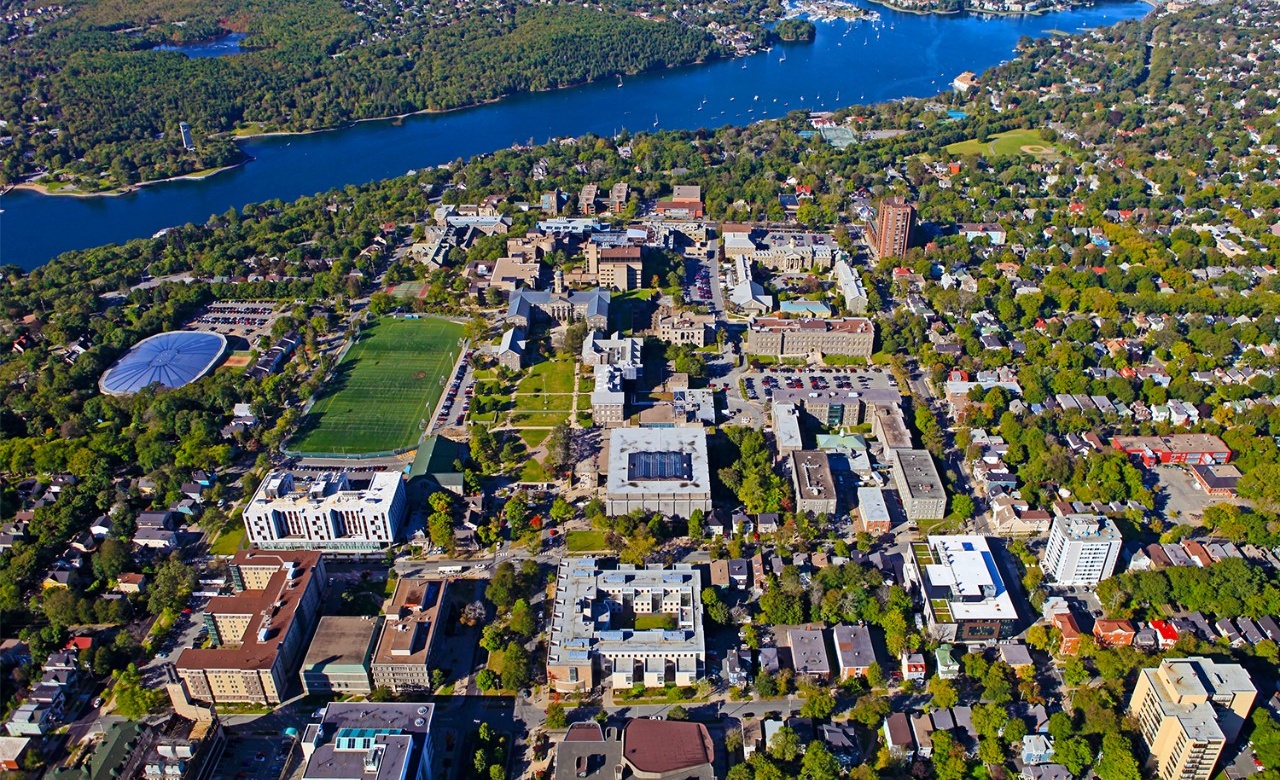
(389, 381)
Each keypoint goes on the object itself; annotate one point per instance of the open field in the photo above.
(544, 402)
(388, 382)
(1013, 142)
(538, 419)
(584, 541)
(550, 377)
(228, 542)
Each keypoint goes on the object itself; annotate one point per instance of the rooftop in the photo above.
(844, 325)
(671, 460)
(582, 621)
(340, 641)
(808, 651)
(380, 741)
(277, 604)
(921, 473)
(411, 619)
(659, 747)
(962, 572)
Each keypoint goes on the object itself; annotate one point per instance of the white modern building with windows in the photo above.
(1082, 549)
(333, 512)
(628, 625)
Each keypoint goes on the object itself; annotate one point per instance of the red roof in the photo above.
(1166, 630)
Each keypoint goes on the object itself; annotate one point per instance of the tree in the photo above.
(875, 675)
(696, 530)
(948, 757)
(486, 680)
(522, 621)
(785, 744)
(515, 667)
(172, 585)
(943, 692)
(132, 699)
(474, 613)
(556, 716)
(502, 588)
(766, 685)
(440, 530)
(818, 703)
(1073, 753)
(112, 560)
(561, 510)
(818, 763)
(677, 713)
(1117, 761)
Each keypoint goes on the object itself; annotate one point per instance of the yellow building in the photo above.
(1188, 710)
(260, 632)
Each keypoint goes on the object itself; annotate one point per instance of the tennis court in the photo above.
(386, 386)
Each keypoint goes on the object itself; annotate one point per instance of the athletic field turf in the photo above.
(389, 381)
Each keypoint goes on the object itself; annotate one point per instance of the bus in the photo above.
(451, 569)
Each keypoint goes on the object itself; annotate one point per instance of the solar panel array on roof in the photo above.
(659, 465)
(169, 359)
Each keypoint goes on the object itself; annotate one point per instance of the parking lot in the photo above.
(1180, 496)
(760, 385)
(456, 401)
(249, 320)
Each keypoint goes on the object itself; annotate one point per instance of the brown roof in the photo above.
(410, 626)
(845, 325)
(660, 746)
(277, 605)
(620, 253)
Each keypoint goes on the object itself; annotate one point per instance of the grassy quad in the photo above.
(389, 380)
(584, 541)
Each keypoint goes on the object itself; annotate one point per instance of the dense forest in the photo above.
(87, 99)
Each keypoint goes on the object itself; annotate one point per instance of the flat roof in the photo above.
(854, 648)
(412, 615)
(920, 473)
(340, 641)
(354, 736)
(872, 506)
(1176, 443)
(808, 651)
(582, 621)
(964, 572)
(843, 325)
(632, 450)
(811, 472)
(786, 426)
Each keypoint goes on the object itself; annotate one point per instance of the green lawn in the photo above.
(538, 419)
(551, 377)
(1010, 143)
(532, 437)
(544, 402)
(661, 620)
(534, 471)
(388, 382)
(228, 542)
(584, 541)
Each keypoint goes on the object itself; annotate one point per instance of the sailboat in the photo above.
(619, 79)
(655, 120)
(783, 58)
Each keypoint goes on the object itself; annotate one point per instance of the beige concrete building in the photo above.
(260, 631)
(678, 327)
(1188, 710)
(815, 486)
(889, 428)
(780, 338)
(919, 486)
(337, 663)
(615, 267)
(627, 625)
(401, 660)
(658, 470)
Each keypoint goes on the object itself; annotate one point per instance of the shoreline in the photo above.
(41, 189)
(1070, 6)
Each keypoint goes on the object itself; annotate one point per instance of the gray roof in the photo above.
(353, 735)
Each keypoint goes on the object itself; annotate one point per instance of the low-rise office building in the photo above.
(854, 336)
(625, 625)
(401, 660)
(873, 511)
(333, 512)
(260, 632)
(814, 483)
(658, 470)
(786, 429)
(964, 594)
(337, 663)
(919, 486)
(369, 741)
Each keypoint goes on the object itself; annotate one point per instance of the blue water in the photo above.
(849, 63)
(218, 47)
(954, 114)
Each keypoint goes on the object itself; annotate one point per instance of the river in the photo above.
(849, 63)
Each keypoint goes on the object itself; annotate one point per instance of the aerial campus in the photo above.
(929, 439)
